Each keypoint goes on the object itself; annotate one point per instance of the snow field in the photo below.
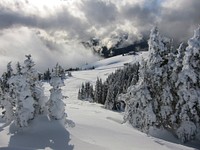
(90, 126)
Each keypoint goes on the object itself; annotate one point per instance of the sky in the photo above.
(52, 30)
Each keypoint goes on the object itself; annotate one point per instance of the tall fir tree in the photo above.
(140, 106)
(188, 106)
(98, 91)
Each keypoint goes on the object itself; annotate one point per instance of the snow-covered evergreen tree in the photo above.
(98, 91)
(86, 92)
(104, 91)
(36, 88)
(6, 103)
(1, 94)
(169, 90)
(9, 70)
(140, 106)
(22, 93)
(82, 92)
(177, 64)
(79, 94)
(110, 99)
(159, 70)
(62, 73)
(148, 103)
(55, 104)
(7, 95)
(18, 68)
(24, 101)
(188, 106)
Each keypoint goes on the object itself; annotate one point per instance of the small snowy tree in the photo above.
(56, 106)
(24, 101)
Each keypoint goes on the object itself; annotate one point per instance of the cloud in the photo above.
(17, 42)
(56, 27)
(95, 12)
(82, 19)
(179, 18)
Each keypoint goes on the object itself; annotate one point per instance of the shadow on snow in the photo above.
(41, 134)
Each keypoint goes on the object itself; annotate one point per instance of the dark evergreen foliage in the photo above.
(117, 83)
(86, 92)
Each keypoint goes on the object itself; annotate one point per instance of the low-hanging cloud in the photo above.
(17, 42)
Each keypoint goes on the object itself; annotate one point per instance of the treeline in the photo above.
(107, 93)
(167, 94)
(46, 76)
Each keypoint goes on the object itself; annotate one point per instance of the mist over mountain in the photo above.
(115, 46)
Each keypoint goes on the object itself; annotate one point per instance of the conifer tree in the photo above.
(86, 92)
(25, 102)
(18, 68)
(56, 106)
(110, 99)
(98, 91)
(79, 94)
(140, 106)
(188, 106)
(7, 95)
(9, 70)
(36, 86)
(104, 92)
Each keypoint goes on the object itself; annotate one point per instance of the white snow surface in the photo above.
(89, 125)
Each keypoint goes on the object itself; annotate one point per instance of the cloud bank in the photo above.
(50, 28)
(18, 42)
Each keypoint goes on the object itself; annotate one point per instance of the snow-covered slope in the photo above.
(90, 126)
(117, 61)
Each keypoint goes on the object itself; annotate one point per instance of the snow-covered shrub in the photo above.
(186, 131)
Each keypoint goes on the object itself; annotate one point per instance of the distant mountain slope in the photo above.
(116, 61)
(116, 48)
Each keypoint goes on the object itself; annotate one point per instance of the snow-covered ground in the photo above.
(90, 126)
